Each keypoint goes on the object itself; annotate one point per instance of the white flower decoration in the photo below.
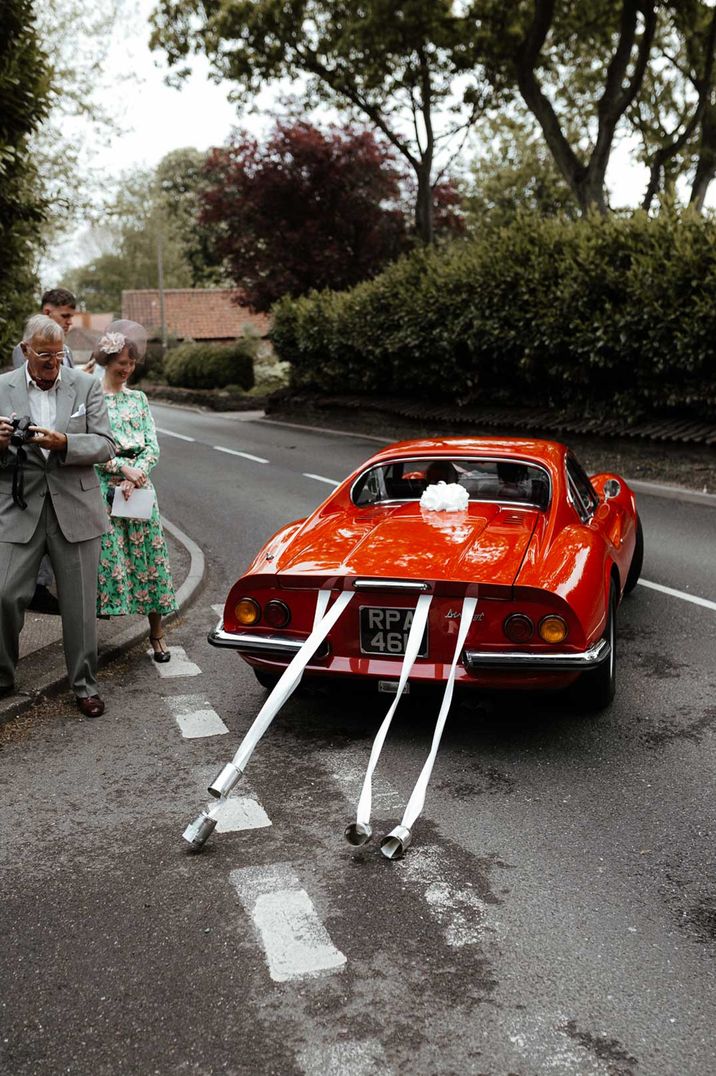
(445, 497)
(112, 343)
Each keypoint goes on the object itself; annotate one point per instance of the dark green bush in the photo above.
(211, 366)
(592, 313)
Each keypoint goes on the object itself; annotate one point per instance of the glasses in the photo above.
(46, 354)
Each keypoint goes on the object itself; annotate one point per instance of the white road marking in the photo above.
(345, 1059)
(218, 609)
(244, 455)
(320, 478)
(296, 944)
(170, 433)
(195, 717)
(241, 812)
(693, 598)
(180, 665)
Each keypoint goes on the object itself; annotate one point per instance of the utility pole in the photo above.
(160, 281)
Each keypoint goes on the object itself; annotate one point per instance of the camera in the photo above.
(21, 432)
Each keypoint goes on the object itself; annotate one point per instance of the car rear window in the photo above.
(508, 480)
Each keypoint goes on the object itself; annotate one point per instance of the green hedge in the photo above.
(592, 314)
(211, 366)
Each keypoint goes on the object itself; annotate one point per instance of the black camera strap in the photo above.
(18, 478)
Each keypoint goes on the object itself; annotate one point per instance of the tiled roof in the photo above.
(193, 313)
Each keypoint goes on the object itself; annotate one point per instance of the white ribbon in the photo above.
(417, 797)
(291, 676)
(412, 646)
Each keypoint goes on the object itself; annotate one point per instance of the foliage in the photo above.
(307, 209)
(594, 313)
(404, 66)
(25, 78)
(211, 366)
(151, 207)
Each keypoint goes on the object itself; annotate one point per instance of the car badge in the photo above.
(455, 614)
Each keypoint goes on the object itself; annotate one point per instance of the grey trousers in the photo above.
(75, 567)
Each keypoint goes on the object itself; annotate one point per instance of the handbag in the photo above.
(139, 505)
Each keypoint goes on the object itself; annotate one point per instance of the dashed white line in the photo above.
(320, 478)
(170, 433)
(241, 812)
(180, 665)
(244, 455)
(195, 717)
(218, 609)
(693, 598)
(296, 943)
(345, 1059)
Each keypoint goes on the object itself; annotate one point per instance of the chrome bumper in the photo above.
(519, 660)
(247, 642)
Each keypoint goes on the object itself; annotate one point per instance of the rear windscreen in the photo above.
(484, 480)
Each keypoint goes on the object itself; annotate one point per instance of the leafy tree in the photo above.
(407, 67)
(25, 77)
(152, 208)
(308, 209)
(513, 172)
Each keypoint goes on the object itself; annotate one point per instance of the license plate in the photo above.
(385, 631)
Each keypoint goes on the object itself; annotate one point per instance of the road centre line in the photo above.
(195, 717)
(347, 1058)
(296, 944)
(320, 478)
(170, 433)
(693, 598)
(244, 455)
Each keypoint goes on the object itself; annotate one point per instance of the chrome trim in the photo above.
(389, 584)
(250, 643)
(546, 662)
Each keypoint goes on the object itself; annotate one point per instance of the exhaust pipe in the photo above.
(393, 845)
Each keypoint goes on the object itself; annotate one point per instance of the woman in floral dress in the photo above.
(134, 572)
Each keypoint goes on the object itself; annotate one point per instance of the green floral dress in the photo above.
(134, 571)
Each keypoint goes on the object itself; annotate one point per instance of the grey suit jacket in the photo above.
(69, 478)
(18, 359)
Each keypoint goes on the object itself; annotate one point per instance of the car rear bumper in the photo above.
(518, 660)
(250, 643)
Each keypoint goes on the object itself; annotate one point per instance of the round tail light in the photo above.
(248, 612)
(553, 629)
(276, 614)
(518, 628)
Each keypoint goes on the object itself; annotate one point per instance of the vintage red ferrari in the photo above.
(547, 552)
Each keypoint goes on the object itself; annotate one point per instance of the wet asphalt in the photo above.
(556, 914)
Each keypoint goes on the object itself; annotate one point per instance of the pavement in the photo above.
(41, 669)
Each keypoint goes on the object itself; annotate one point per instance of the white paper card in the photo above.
(139, 505)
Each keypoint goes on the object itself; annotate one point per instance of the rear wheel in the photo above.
(266, 679)
(595, 689)
(636, 561)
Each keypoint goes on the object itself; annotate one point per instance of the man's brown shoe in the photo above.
(91, 706)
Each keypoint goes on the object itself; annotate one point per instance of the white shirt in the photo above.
(43, 404)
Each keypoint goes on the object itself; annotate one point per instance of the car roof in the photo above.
(547, 452)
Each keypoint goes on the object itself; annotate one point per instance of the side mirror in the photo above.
(612, 488)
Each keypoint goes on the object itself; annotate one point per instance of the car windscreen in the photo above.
(507, 480)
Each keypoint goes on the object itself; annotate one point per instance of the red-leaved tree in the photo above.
(305, 209)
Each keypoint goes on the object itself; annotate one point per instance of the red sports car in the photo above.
(546, 551)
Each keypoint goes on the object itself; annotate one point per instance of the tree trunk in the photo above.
(424, 205)
(706, 167)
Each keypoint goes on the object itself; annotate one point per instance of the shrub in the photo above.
(592, 313)
(211, 366)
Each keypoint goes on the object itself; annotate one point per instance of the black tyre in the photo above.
(595, 689)
(637, 560)
(266, 679)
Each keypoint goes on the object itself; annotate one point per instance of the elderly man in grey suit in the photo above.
(50, 501)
